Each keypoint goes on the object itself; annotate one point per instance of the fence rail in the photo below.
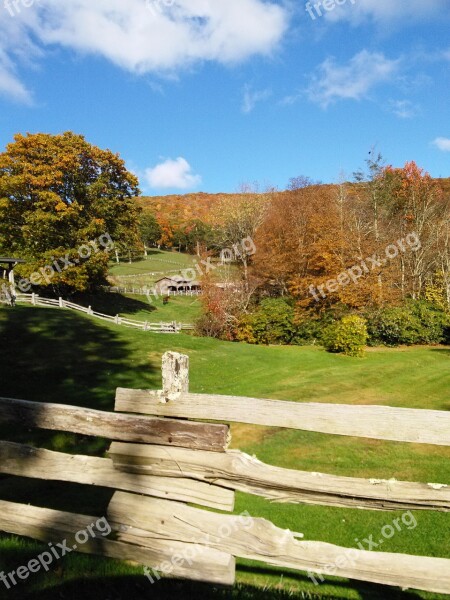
(158, 327)
(160, 466)
(145, 291)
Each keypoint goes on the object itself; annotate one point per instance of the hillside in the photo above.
(199, 205)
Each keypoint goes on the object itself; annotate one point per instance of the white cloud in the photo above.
(353, 80)
(10, 84)
(252, 97)
(442, 143)
(404, 109)
(172, 174)
(382, 11)
(144, 36)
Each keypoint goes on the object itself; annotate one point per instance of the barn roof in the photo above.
(10, 261)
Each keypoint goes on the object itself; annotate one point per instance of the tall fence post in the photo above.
(175, 376)
(61, 302)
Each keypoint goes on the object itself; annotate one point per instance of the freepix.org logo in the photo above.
(314, 9)
(55, 552)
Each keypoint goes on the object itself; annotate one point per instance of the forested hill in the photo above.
(199, 204)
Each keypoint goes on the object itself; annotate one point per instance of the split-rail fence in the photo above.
(168, 461)
(158, 327)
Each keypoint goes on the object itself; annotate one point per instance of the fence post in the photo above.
(61, 302)
(175, 375)
(33, 299)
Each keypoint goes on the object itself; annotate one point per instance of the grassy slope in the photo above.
(162, 262)
(48, 355)
(183, 309)
(157, 261)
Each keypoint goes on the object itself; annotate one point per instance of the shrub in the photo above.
(310, 326)
(349, 336)
(271, 323)
(416, 322)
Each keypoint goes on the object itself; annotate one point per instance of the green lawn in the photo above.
(160, 263)
(60, 356)
(183, 309)
(157, 261)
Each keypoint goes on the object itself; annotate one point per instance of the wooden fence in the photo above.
(161, 462)
(146, 291)
(160, 327)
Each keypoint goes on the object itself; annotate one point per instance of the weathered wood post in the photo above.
(175, 376)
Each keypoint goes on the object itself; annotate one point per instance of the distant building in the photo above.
(177, 283)
(7, 268)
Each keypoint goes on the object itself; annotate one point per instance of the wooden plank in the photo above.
(131, 428)
(258, 539)
(26, 461)
(239, 471)
(377, 422)
(175, 375)
(210, 565)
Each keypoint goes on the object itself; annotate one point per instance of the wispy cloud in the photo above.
(10, 84)
(351, 81)
(404, 109)
(172, 174)
(383, 11)
(442, 143)
(145, 37)
(252, 97)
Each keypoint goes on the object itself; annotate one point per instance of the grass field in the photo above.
(60, 356)
(157, 261)
(160, 263)
(183, 309)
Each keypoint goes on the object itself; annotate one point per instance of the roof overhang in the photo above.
(4, 260)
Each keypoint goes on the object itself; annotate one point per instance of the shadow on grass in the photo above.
(113, 304)
(441, 350)
(61, 357)
(139, 588)
(56, 356)
(366, 591)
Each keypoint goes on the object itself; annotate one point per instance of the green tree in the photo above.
(150, 229)
(58, 193)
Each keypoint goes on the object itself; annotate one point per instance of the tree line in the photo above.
(371, 246)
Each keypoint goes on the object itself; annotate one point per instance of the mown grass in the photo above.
(160, 263)
(157, 261)
(183, 309)
(55, 356)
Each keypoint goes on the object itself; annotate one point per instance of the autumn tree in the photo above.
(417, 205)
(238, 218)
(224, 305)
(58, 193)
(300, 182)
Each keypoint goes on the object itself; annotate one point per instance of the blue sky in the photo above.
(210, 94)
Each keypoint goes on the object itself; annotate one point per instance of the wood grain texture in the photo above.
(131, 428)
(175, 375)
(258, 539)
(199, 564)
(377, 422)
(239, 471)
(26, 461)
